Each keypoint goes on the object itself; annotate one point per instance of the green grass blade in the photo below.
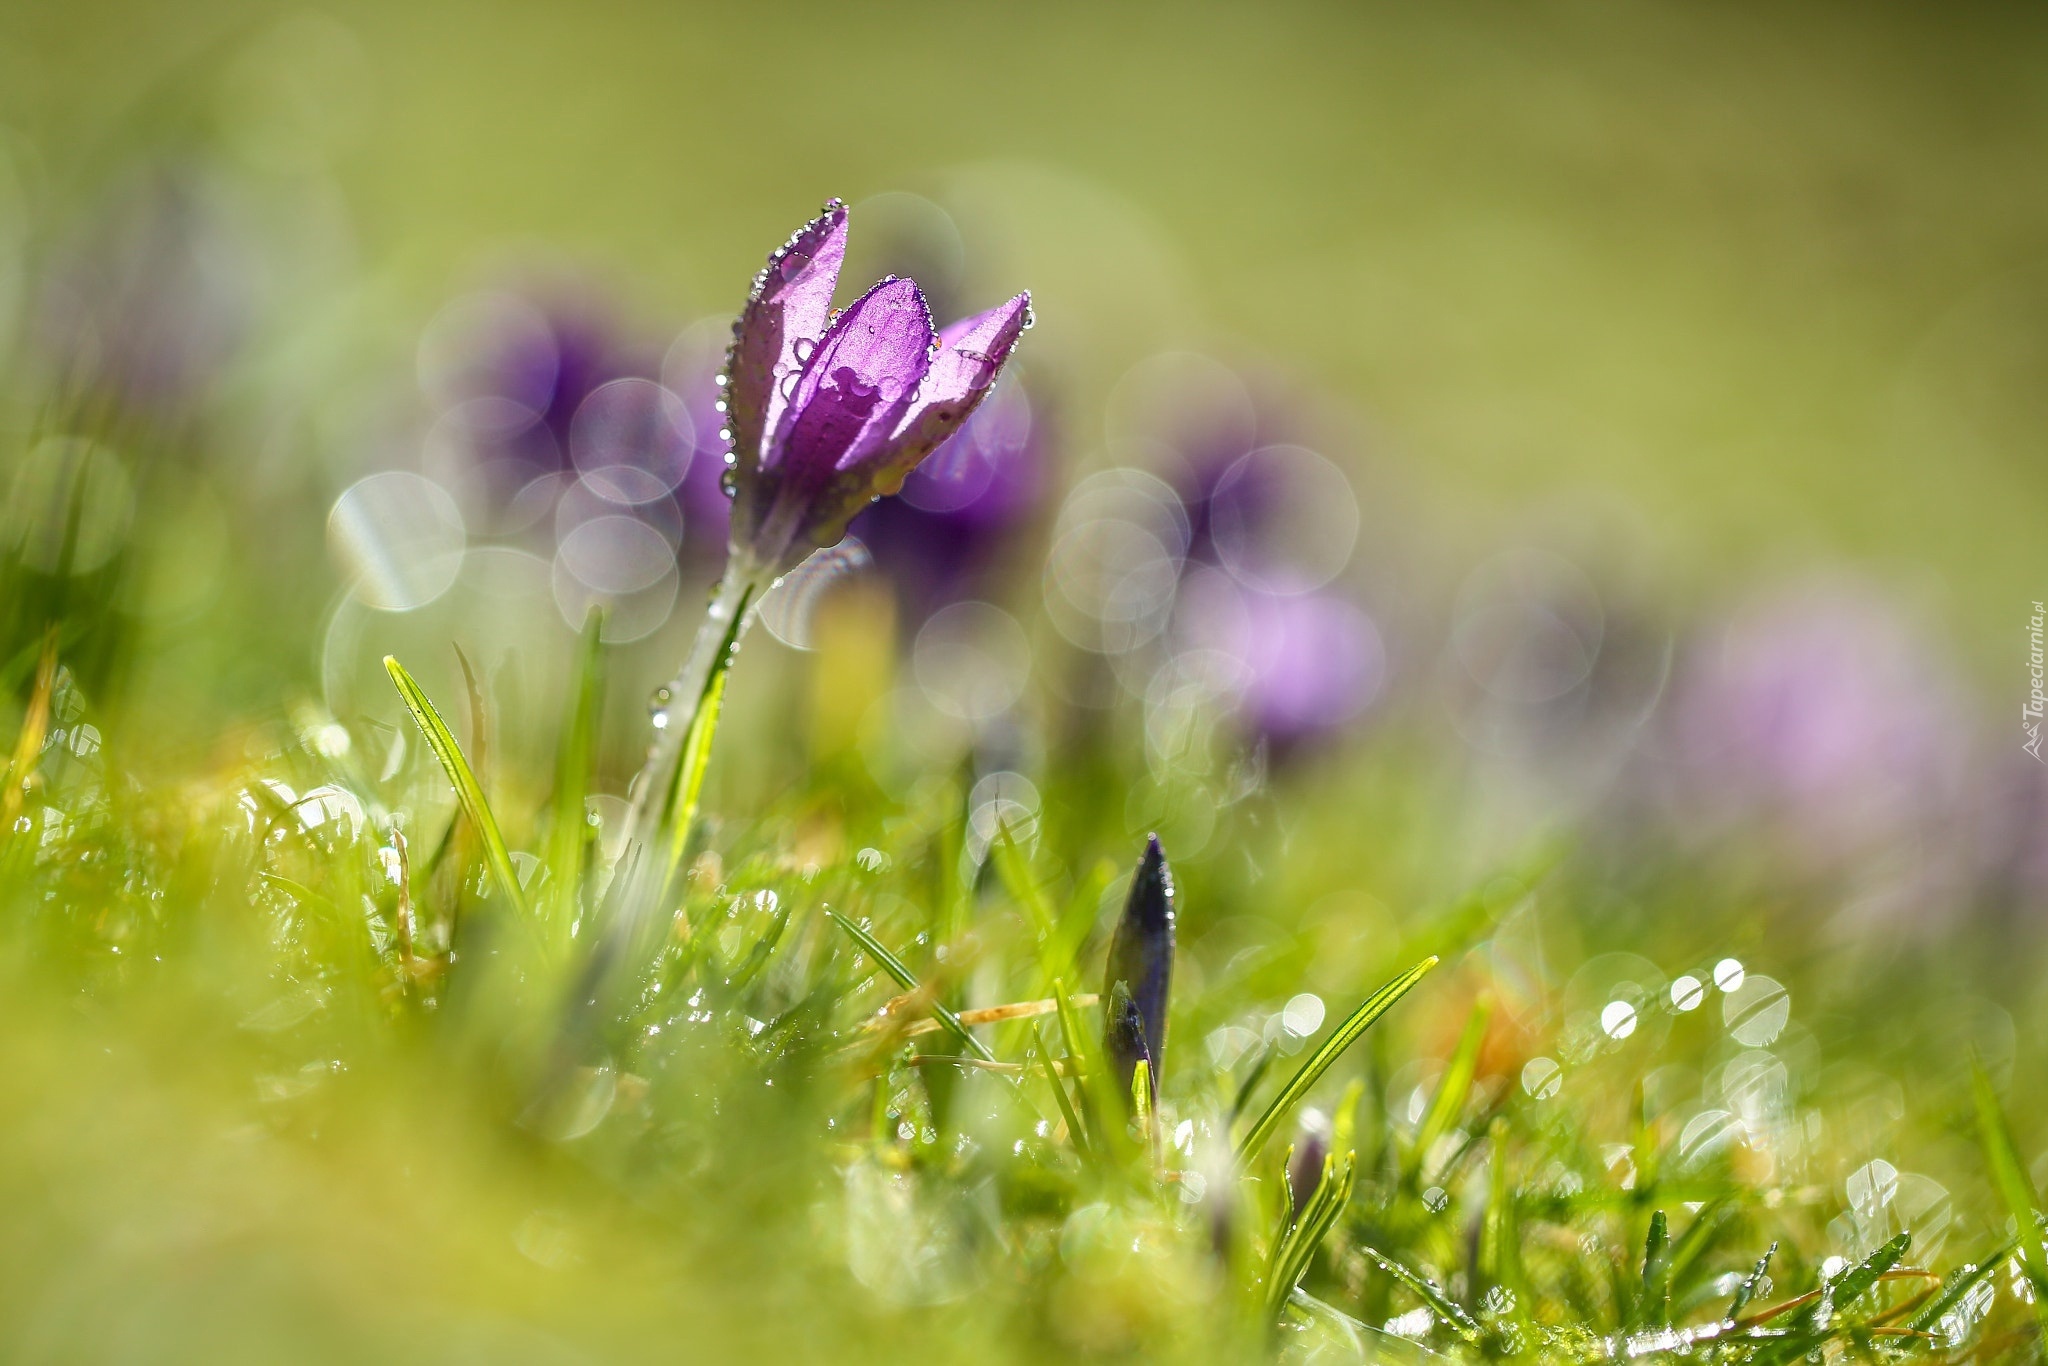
(1655, 1310)
(1501, 1234)
(1430, 1293)
(467, 790)
(1319, 1062)
(1075, 1132)
(1689, 1247)
(1451, 1093)
(1959, 1284)
(1751, 1283)
(1296, 1251)
(2009, 1175)
(679, 804)
(575, 759)
(907, 979)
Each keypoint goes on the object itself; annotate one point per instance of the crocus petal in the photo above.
(970, 356)
(861, 378)
(788, 310)
(1141, 955)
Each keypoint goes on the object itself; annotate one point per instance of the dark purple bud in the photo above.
(1141, 967)
(1123, 1042)
(1305, 1171)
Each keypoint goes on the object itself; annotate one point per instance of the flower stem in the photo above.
(732, 610)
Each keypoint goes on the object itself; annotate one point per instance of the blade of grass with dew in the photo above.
(575, 762)
(2015, 1187)
(1960, 1283)
(1813, 1329)
(1295, 1251)
(1075, 1133)
(35, 724)
(679, 803)
(1430, 1293)
(1075, 1039)
(1500, 1243)
(1819, 1323)
(467, 791)
(1653, 1309)
(907, 979)
(1690, 1246)
(1747, 1290)
(1319, 1062)
(1451, 1092)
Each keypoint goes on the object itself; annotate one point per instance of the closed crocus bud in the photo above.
(1123, 1042)
(1141, 972)
(826, 412)
(1305, 1168)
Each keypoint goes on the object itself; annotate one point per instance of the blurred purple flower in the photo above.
(154, 297)
(961, 510)
(1293, 666)
(1826, 715)
(827, 412)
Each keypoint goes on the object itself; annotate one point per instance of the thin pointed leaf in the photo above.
(1655, 1308)
(1319, 1062)
(575, 758)
(1297, 1250)
(1075, 1131)
(1960, 1283)
(893, 965)
(1746, 1291)
(2015, 1187)
(679, 804)
(1430, 1293)
(468, 793)
(1451, 1093)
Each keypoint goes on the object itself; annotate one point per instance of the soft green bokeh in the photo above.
(1776, 275)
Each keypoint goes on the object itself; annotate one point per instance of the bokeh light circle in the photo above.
(633, 441)
(400, 536)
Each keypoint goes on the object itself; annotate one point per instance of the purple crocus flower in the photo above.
(1138, 980)
(826, 412)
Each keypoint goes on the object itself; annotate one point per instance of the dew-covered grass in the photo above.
(307, 1059)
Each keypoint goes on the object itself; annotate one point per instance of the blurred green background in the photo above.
(1776, 275)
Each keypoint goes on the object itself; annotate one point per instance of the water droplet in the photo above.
(723, 380)
(981, 369)
(789, 383)
(732, 458)
(729, 483)
(802, 349)
(719, 406)
(793, 264)
(658, 703)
